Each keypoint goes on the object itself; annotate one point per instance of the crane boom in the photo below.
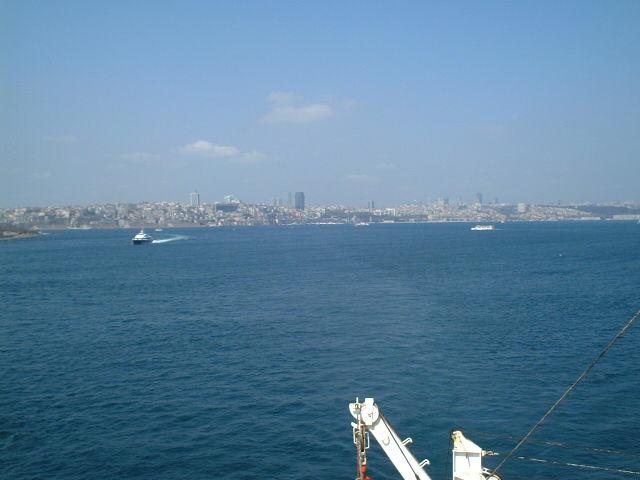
(466, 455)
(370, 419)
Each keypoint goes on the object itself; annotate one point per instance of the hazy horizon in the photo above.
(532, 102)
(309, 205)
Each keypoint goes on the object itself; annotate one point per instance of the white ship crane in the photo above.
(467, 456)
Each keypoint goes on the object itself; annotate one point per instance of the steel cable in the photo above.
(568, 390)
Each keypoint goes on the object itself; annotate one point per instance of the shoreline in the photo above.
(421, 222)
(20, 236)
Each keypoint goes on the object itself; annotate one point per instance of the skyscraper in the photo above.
(479, 198)
(299, 200)
(195, 199)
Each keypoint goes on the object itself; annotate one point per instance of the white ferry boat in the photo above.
(483, 227)
(142, 238)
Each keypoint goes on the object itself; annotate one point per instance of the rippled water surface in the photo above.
(234, 353)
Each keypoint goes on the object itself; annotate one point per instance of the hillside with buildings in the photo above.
(233, 212)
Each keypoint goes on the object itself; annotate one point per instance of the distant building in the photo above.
(289, 200)
(522, 208)
(299, 201)
(227, 207)
(230, 204)
(479, 198)
(626, 217)
(195, 199)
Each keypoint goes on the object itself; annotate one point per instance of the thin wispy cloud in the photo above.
(139, 157)
(207, 149)
(491, 130)
(386, 166)
(248, 157)
(360, 178)
(282, 98)
(204, 148)
(41, 175)
(285, 108)
(62, 139)
(304, 114)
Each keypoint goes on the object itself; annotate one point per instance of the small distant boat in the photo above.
(158, 229)
(362, 224)
(483, 227)
(142, 238)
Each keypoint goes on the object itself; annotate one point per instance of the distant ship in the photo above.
(483, 227)
(142, 238)
(362, 224)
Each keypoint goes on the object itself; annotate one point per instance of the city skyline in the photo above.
(196, 198)
(299, 201)
(235, 213)
(524, 102)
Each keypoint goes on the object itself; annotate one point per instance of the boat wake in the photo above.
(172, 239)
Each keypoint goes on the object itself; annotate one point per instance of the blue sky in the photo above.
(347, 101)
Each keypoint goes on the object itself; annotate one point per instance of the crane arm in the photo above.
(370, 419)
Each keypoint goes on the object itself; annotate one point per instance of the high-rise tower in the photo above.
(299, 200)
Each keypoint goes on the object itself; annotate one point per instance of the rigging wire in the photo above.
(554, 444)
(447, 457)
(579, 465)
(568, 390)
(385, 419)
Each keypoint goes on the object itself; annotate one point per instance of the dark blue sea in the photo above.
(233, 353)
